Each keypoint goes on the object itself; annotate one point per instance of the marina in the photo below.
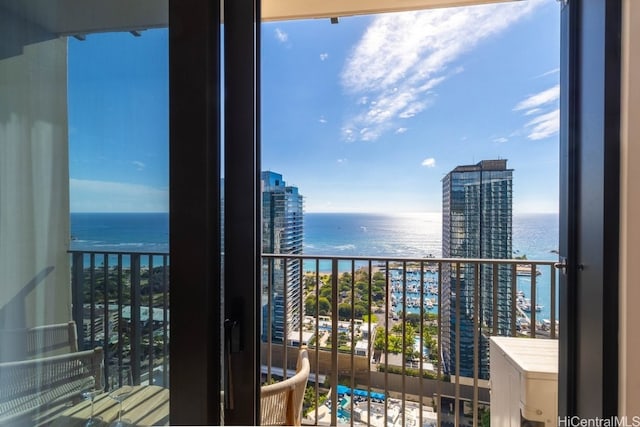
(407, 289)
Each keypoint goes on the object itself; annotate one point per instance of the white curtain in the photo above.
(35, 284)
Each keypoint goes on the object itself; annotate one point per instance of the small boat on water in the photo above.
(525, 270)
(526, 307)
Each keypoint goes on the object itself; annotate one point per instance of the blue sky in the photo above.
(364, 116)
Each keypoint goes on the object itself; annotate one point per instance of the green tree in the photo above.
(309, 399)
(344, 311)
(362, 286)
(409, 334)
(343, 339)
(360, 310)
(309, 282)
(395, 344)
(324, 305)
(413, 319)
(344, 281)
(310, 305)
(377, 293)
(373, 317)
(379, 341)
(325, 291)
(485, 416)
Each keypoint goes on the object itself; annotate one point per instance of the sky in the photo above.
(366, 115)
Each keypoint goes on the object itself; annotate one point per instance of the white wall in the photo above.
(630, 213)
(34, 176)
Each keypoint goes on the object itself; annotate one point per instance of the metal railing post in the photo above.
(77, 295)
(457, 348)
(334, 340)
(534, 270)
(476, 339)
(552, 309)
(135, 327)
(285, 317)
(92, 300)
(150, 320)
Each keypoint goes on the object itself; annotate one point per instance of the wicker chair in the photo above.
(29, 387)
(281, 403)
(37, 342)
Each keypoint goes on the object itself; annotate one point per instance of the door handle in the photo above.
(232, 345)
(561, 265)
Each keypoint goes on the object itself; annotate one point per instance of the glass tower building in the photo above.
(282, 233)
(476, 223)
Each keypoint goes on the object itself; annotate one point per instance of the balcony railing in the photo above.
(392, 341)
(389, 338)
(121, 303)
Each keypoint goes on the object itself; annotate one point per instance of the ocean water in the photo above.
(401, 235)
(350, 234)
(122, 232)
(414, 235)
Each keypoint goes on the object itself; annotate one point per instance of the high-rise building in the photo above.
(476, 223)
(282, 233)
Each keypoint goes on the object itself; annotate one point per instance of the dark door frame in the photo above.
(197, 273)
(589, 207)
(194, 203)
(242, 206)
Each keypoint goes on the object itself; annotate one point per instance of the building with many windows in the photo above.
(282, 233)
(476, 223)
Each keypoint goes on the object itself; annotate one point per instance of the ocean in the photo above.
(414, 235)
(342, 234)
(122, 232)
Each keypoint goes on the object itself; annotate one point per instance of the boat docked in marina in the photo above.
(525, 270)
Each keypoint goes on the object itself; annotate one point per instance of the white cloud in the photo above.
(544, 125)
(429, 162)
(548, 73)
(534, 101)
(139, 165)
(109, 196)
(322, 120)
(323, 56)
(502, 139)
(401, 130)
(402, 57)
(348, 135)
(340, 161)
(281, 35)
(368, 134)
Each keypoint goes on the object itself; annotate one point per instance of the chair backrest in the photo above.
(37, 342)
(281, 403)
(31, 386)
